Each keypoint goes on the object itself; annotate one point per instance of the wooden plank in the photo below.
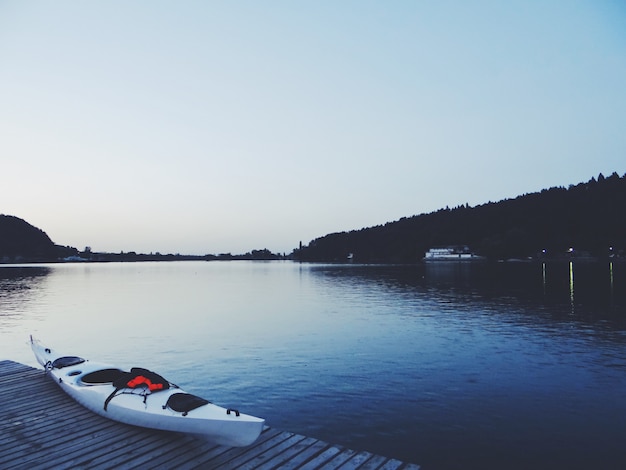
(12, 371)
(356, 461)
(43, 433)
(266, 452)
(28, 385)
(55, 421)
(38, 397)
(10, 367)
(56, 415)
(101, 440)
(339, 459)
(289, 454)
(81, 450)
(22, 383)
(375, 463)
(200, 459)
(147, 449)
(39, 445)
(187, 453)
(206, 455)
(25, 385)
(321, 458)
(189, 445)
(304, 455)
(34, 401)
(17, 435)
(124, 451)
(23, 378)
(267, 439)
(78, 459)
(392, 464)
(26, 412)
(17, 376)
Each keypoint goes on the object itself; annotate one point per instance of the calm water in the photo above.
(448, 366)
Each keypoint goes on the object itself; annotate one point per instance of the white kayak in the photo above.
(142, 398)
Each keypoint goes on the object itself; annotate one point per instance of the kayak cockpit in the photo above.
(66, 361)
(102, 377)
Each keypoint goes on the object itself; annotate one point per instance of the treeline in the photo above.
(587, 219)
(21, 242)
(254, 255)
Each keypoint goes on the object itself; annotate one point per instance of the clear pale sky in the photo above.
(208, 127)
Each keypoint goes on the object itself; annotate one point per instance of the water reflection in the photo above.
(595, 293)
(611, 279)
(508, 358)
(18, 286)
(21, 272)
(571, 284)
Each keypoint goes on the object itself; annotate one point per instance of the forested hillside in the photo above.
(20, 241)
(588, 217)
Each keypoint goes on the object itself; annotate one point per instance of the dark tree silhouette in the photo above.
(21, 241)
(589, 217)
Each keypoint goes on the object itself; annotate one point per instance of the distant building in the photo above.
(451, 253)
(74, 259)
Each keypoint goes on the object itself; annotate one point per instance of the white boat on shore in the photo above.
(143, 398)
(451, 253)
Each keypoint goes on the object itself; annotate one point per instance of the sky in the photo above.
(200, 127)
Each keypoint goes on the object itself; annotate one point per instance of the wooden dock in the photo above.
(43, 428)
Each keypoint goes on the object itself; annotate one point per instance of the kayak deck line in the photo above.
(42, 427)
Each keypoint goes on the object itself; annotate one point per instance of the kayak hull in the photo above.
(140, 407)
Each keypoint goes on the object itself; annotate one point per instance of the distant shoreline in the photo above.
(165, 259)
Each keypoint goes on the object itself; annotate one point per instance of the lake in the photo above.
(447, 365)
